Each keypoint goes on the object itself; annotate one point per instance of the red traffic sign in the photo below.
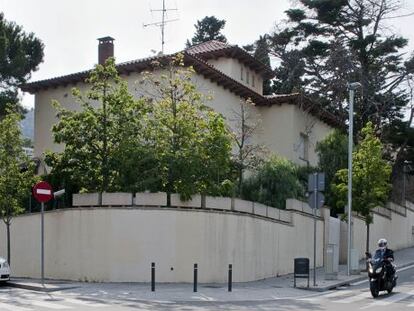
(42, 192)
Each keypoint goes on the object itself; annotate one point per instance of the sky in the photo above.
(69, 28)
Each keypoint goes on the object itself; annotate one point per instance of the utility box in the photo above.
(354, 262)
(332, 262)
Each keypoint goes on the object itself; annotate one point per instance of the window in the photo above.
(303, 147)
(247, 77)
(241, 73)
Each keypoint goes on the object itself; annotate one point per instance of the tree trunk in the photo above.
(8, 242)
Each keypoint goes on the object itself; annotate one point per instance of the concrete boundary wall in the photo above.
(118, 244)
(395, 223)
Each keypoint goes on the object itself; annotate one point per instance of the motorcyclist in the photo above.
(386, 254)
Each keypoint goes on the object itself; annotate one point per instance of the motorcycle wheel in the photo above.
(374, 290)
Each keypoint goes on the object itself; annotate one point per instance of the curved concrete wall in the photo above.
(119, 244)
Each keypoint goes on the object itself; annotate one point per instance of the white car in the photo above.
(4, 270)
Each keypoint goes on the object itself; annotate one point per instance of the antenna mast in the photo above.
(163, 22)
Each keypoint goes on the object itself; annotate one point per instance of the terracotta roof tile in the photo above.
(209, 46)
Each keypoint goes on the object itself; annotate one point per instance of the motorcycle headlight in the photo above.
(371, 270)
(378, 270)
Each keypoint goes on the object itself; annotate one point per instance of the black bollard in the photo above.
(230, 276)
(195, 277)
(153, 276)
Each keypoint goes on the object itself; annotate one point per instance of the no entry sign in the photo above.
(42, 192)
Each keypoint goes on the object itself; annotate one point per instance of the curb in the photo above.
(39, 288)
(56, 287)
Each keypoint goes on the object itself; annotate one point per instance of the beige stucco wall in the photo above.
(232, 68)
(283, 126)
(115, 244)
(279, 131)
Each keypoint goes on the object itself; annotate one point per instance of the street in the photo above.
(357, 296)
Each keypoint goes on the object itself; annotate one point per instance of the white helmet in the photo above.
(382, 243)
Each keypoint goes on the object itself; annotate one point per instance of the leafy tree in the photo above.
(101, 135)
(370, 177)
(274, 182)
(209, 28)
(333, 156)
(190, 141)
(326, 44)
(245, 125)
(20, 54)
(16, 172)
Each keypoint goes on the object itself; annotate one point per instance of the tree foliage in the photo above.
(167, 140)
(326, 44)
(333, 156)
(209, 28)
(16, 172)
(96, 137)
(274, 182)
(370, 176)
(20, 54)
(190, 141)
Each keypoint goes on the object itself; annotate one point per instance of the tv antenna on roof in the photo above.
(162, 23)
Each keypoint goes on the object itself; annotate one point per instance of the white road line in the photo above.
(83, 302)
(6, 306)
(354, 298)
(50, 305)
(389, 300)
(334, 294)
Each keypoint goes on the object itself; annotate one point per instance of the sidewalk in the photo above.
(268, 289)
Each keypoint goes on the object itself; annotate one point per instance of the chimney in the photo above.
(105, 49)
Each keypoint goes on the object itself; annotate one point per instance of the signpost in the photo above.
(42, 192)
(316, 183)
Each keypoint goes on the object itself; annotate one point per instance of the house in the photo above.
(290, 124)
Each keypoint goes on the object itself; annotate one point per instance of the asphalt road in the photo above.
(354, 297)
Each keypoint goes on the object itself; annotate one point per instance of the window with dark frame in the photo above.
(304, 147)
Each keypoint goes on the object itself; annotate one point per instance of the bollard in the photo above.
(230, 276)
(195, 277)
(153, 276)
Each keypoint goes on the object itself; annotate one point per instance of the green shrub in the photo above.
(274, 182)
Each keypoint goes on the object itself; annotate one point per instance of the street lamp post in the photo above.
(352, 87)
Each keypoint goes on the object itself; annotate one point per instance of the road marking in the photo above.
(333, 294)
(83, 302)
(354, 298)
(50, 305)
(389, 300)
(6, 306)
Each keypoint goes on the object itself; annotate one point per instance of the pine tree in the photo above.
(20, 54)
(209, 28)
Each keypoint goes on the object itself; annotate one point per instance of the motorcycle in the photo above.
(381, 273)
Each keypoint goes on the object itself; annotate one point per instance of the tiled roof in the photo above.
(197, 57)
(209, 46)
(215, 49)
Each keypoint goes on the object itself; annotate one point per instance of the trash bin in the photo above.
(301, 269)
